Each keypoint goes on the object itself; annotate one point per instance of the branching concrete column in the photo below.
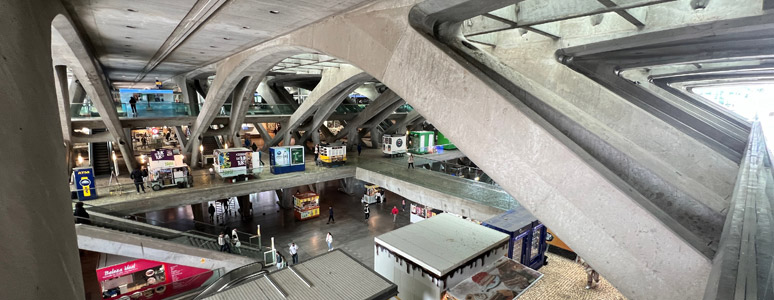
(181, 137)
(241, 103)
(333, 81)
(382, 103)
(63, 96)
(400, 126)
(72, 48)
(40, 256)
(188, 91)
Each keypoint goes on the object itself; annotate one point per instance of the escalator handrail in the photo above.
(225, 281)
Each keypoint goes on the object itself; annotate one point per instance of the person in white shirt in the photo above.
(222, 242)
(329, 240)
(294, 252)
(235, 241)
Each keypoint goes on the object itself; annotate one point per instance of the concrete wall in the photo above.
(39, 253)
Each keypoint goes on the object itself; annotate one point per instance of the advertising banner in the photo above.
(504, 279)
(297, 156)
(280, 157)
(84, 183)
(163, 154)
(149, 278)
(238, 159)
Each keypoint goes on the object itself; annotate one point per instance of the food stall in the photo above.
(333, 155)
(372, 195)
(394, 145)
(166, 169)
(307, 205)
(237, 164)
(421, 142)
(285, 159)
(463, 249)
(527, 236)
(504, 279)
(149, 279)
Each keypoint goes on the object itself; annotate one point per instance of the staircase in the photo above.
(210, 144)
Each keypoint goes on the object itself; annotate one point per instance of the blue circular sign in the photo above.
(399, 142)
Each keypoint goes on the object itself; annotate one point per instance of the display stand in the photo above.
(114, 189)
(307, 205)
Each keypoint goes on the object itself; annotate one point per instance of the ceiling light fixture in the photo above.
(201, 52)
(274, 12)
(128, 37)
(131, 9)
(226, 38)
(130, 27)
(213, 47)
(245, 27)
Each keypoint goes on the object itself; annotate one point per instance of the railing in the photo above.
(190, 232)
(350, 108)
(144, 109)
(457, 170)
(404, 108)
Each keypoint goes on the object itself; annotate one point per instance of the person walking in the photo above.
(592, 277)
(330, 215)
(82, 216)
(294, 252)
(367, 212)
(359, 149)
(227, 240)
(394, 214)
(316, 154)
(211, 210)
(329, 240)
(410, 161)
(235, 241)
(138, 180)
(133, 104)
(254, 147)
(404, 204)
(222, 241)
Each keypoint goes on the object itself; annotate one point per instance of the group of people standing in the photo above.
(229, 243)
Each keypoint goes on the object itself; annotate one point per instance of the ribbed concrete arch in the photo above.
(76, 54)
(555, 179)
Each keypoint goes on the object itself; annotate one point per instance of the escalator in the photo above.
(99, 155)
(210, 144)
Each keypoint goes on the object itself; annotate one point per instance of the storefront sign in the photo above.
(504, 279)
(164, 154)
(152, 279)
(238, 159)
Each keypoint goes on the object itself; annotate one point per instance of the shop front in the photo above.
(149, 279)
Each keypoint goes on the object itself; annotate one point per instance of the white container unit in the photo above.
(394, 145)
(425, 259)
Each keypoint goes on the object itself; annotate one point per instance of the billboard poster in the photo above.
(163, 154)
(297, 156)
(281, 157)
(237, 159)
(504, 279)
(151, 279)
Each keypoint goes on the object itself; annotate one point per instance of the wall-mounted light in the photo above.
(80, 159)
(115, 158)
(201, 148)
(142, 159)
(477, 178)
(225, 145)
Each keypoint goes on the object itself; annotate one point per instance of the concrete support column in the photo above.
(40, 258)
(244, 206)
(63, 96)
(199, 212)
(195, 153)
(353, 138)
(188, 92)
(376, 137)
(285, 197)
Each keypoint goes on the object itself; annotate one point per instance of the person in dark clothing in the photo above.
(211, 210)
(137, 175)
(367, 212)
(81, 216)
(359, 149)
(330, 215)
(133, 103)
(254, 147)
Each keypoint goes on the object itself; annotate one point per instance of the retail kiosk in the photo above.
(332, 156)
(285, 159)
(236, 164)
(421, 142)
(167, 169)
(373, 194)
(425, 259)
(527, 236)
(307, 205)
(394, 145)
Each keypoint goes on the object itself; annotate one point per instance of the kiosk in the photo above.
(421, 142)
(84, 183)
(285, 159)
(307, 205)
(372, 195)
(166, 169)
(527, 236)
(333, 155)
(394, 145)
(462, 249)
(237, 163)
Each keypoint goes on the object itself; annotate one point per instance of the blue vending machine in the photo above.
(84, 183)
(527, 243)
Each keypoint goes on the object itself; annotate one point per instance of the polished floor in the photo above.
(350, 231)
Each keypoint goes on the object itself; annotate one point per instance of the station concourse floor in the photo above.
(563, 278)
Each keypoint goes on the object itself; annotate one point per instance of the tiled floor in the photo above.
(565, 279)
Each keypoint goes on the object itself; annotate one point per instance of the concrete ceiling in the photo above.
(139, 41)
